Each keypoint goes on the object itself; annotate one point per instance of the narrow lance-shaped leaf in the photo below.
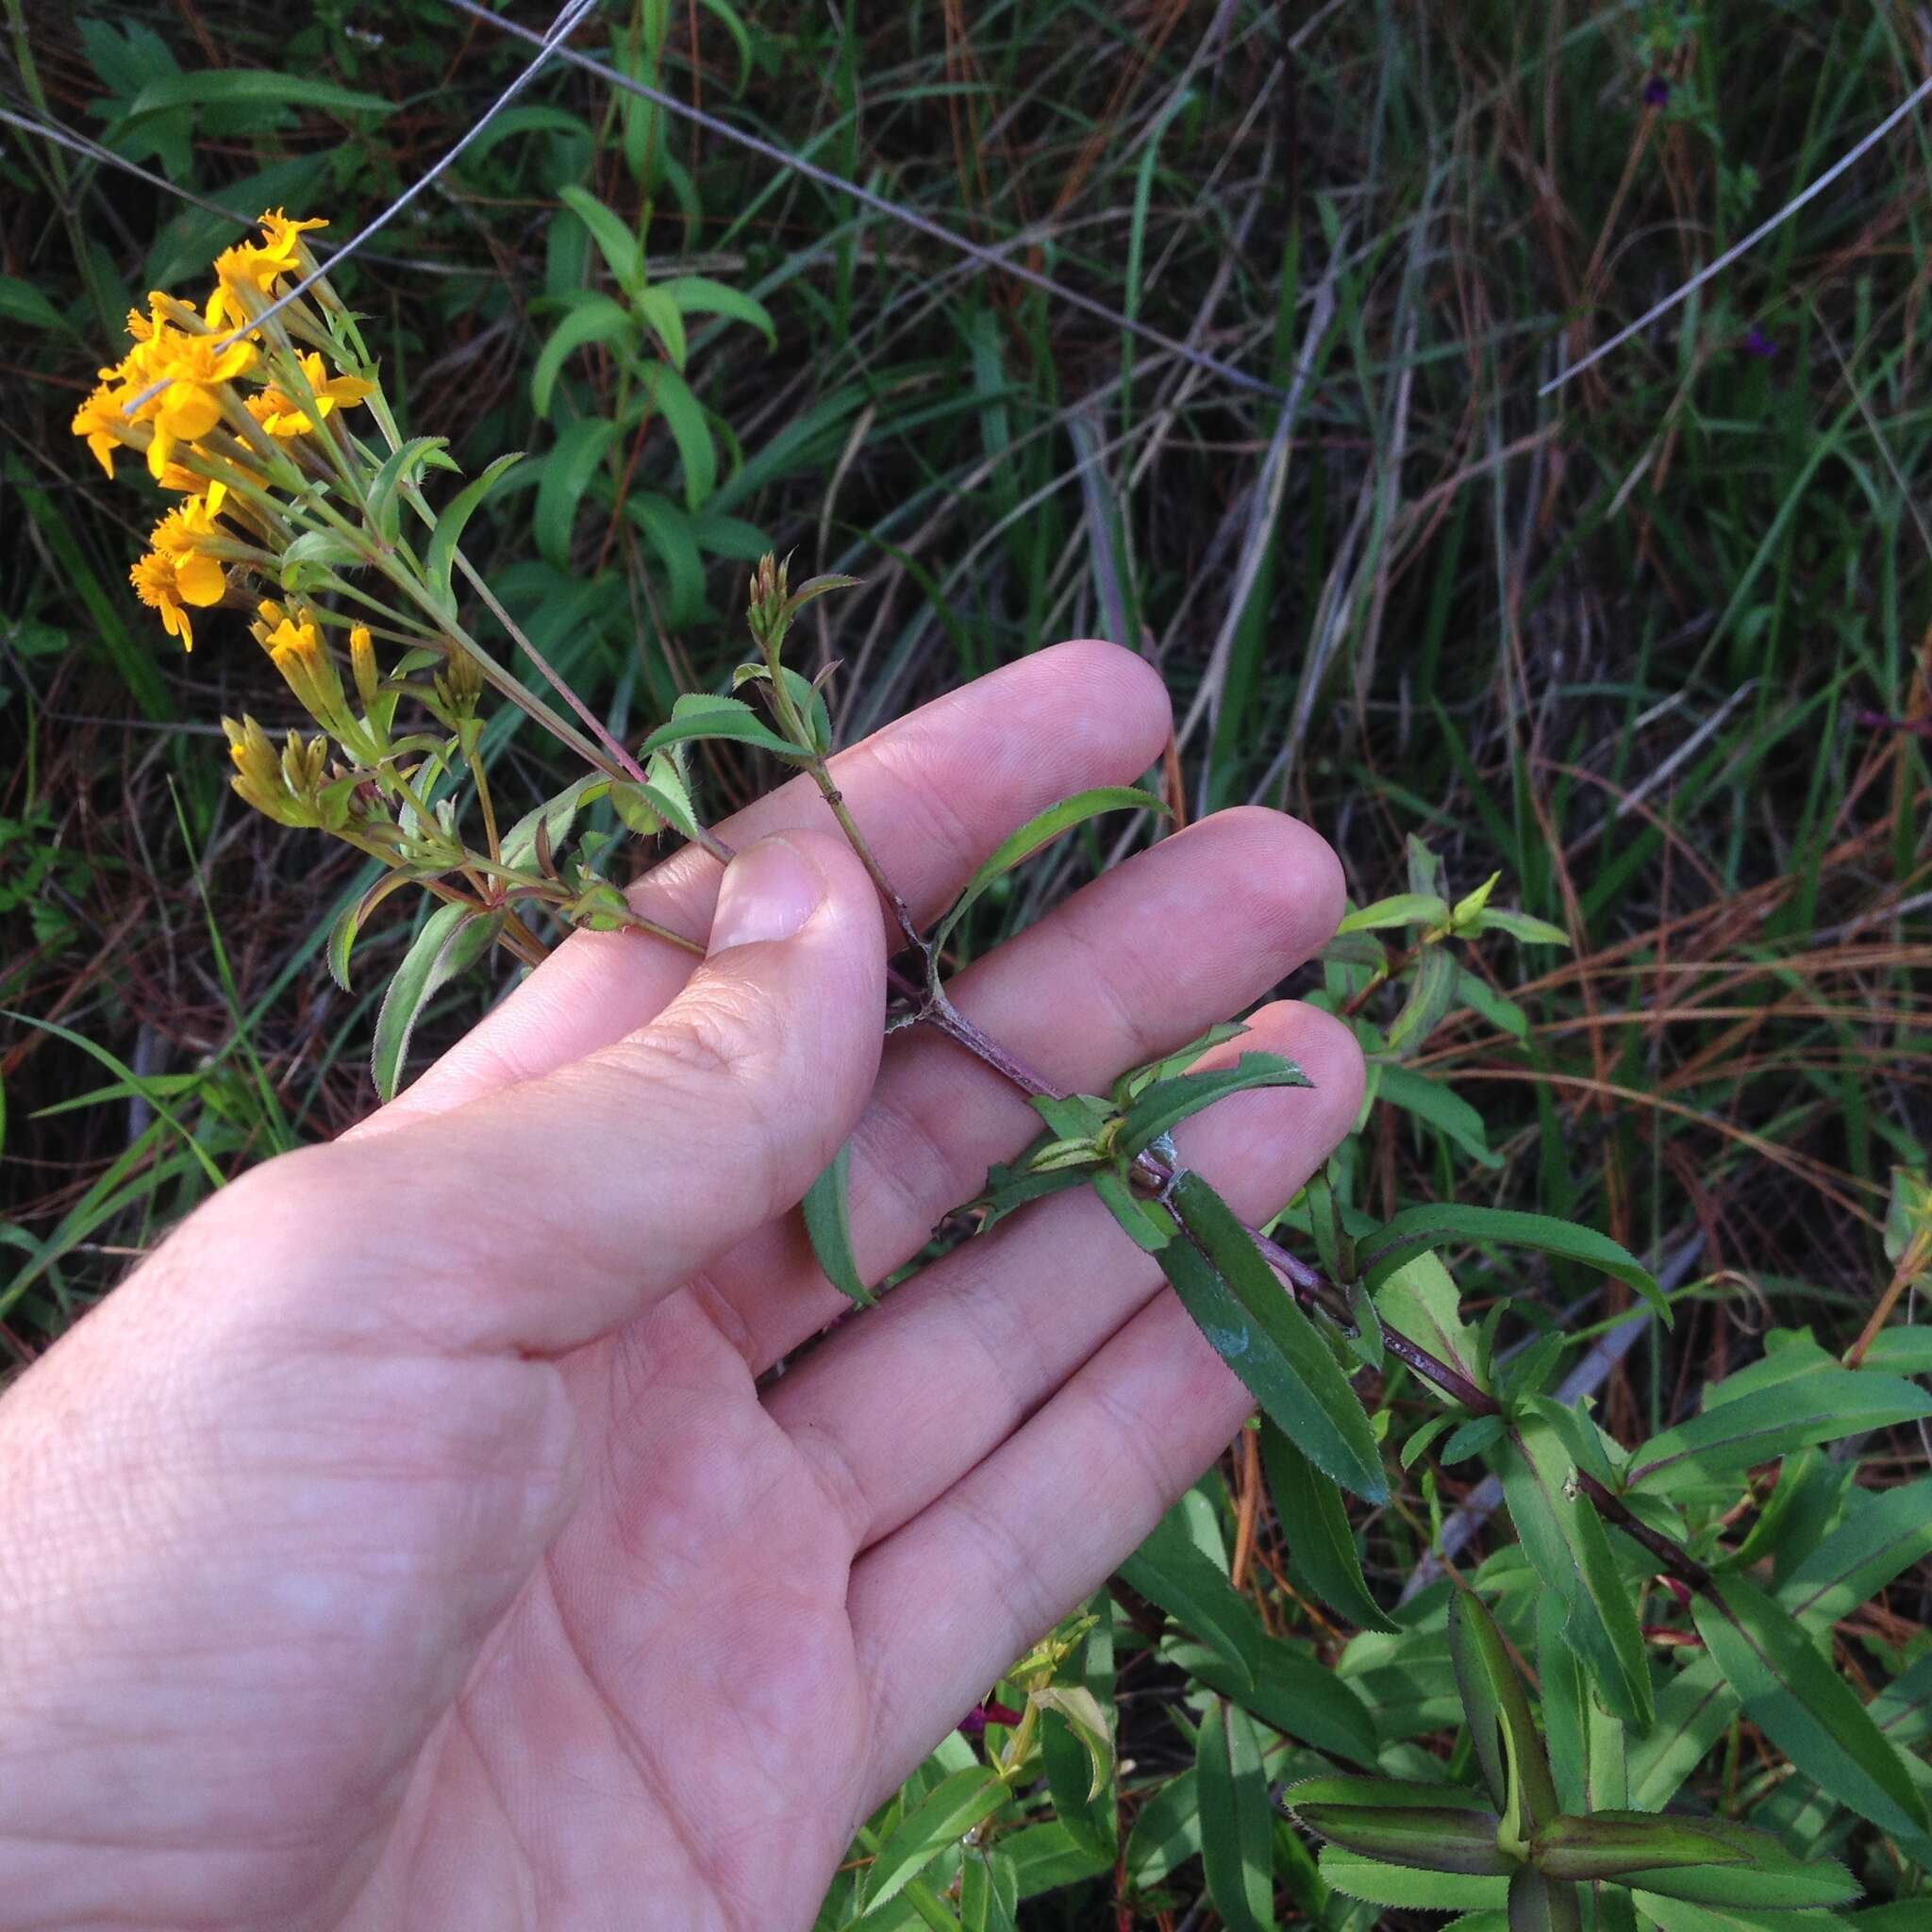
(1567, 1545)
(1236, 1854)
(1819, 1405)
(1705, 1861)
(1804, 1707)
(699, 715)
(1438, 1225)
(1883, 1534)
(1502, 1731)
(1432, 1828)
(440, 557)
(1320, 1545)
(1537, 1903)
(1039, 831)
(1431, 994)
(944, 1816)
(828, 1223)
(350, 921)
(1163, 1105)
(1402, 1888)
(1256, 1327)
(453, 938)
(1404, 909)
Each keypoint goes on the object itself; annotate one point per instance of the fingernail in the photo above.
(770, 890)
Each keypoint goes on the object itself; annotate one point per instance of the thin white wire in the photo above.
(1750, 241)
(566, 22)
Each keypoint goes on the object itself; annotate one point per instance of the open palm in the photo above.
(450, 1526)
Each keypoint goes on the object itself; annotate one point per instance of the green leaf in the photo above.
(685, 416)
(556, 816)
(1400, 1889)
(1404, 909)
(1164, 1104)
(1419, 1298)
(1566, 1543)
(1434, 1828)
(1078, 1710)
(700, 295)
(228, 87)
(1471, 1438)
(1279, 1681)
(1520, 925)
(589, 319)
(621, 251)
(1543, 1905)
(1314, 1521)
(350, 921)
(453, 938)
(1906, 1350)
(440, 557)
(23, 303)
(400, 468)
(1257, 1328)
(665, 319)
(1237, 1855)
(943, 1818)
(1680, 1915)
(1432, 1102)
(1142, 1226)
(1039, 831)
(1818, 1406)
(1171, 1572)
(699, 715)
(1705, 1860)
(1436, 1225)
(1431, 992)
(1586, 1749)
(1502, 1731)
(1167, 1831)
(829, 1224)
(1804, 1707)
(1883, 1534)
(989, 1893)
(563, 478)
(1077, 1738)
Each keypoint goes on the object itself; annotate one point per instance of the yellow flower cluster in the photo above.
(173, 398)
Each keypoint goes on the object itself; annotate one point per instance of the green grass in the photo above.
(1644, 645)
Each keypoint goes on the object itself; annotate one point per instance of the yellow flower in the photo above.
(282, 416)
(182, 538)
(166, 586)
(282, 234)
(100, 421)
(196, 370)
(295, 648)
(362, 662)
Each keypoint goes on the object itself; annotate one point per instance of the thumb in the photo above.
(550, 1213)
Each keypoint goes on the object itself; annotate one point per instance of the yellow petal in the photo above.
(202, 580)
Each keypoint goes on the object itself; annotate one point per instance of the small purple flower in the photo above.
(1758, 343)
(1657, 92)
(975, 1721)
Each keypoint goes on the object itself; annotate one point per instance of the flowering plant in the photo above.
(251, 410)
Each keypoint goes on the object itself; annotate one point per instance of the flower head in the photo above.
(196, 370)
(168, 585)
(282, 416)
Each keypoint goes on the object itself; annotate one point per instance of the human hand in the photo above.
(409, 1543)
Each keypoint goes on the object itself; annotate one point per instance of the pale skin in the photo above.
(410, 1542)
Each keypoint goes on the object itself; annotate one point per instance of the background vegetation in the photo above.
(1655, 646)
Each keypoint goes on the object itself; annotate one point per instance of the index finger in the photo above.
(933, 793)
